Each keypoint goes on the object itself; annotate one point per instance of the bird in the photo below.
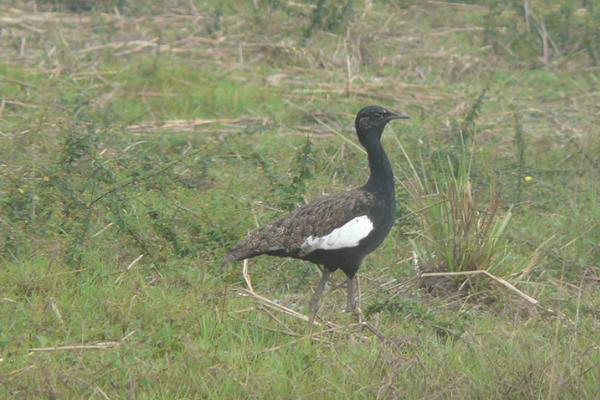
(339, 230)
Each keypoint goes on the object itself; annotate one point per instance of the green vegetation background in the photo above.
(139, 140)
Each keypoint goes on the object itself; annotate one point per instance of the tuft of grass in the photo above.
(539, 32)
(457, 232)
(328, 15)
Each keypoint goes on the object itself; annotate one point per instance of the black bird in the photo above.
(336, 231)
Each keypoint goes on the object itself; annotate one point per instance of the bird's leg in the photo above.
(351, 307)
(314, 301)
(353, 292)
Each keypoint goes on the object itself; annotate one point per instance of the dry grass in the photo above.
(170, 133)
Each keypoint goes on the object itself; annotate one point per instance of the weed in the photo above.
(465, 132)
(328, 15)
(543, 33)
(520, 158)
(457, 233)
(290, 193)
(297, 188)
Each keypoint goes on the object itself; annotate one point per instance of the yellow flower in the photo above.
(528, 178)
(46, 178)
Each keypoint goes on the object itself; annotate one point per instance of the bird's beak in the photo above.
(397, 116)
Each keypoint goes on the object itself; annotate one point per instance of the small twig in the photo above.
(370, 327)
(57, 312)
(22, 46)
(501, 281)
(7, 300)
(94, 346)
(544, 35)
(244, 310)
(247, 276)
(278, 307)
(102, 230)
(20, 372)
(348, 70)
(190, 124)
(280, 322)
(132, 145)
(131, 264)
(99, 390)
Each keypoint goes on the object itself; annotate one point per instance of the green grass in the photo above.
(83, 195)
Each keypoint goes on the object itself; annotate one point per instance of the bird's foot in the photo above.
(360, 318)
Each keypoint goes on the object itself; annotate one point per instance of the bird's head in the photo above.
(371, 120)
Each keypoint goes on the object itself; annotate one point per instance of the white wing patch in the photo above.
(347, 235)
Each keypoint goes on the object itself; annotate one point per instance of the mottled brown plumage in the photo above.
(285, 236)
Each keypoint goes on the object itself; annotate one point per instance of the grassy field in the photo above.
(140, 140)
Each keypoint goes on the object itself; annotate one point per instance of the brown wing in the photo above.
(286, 235)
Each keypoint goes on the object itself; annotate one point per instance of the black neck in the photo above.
(381, 179)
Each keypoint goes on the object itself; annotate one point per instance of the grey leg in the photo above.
(351, 296)
(353, 302)
(314, 301)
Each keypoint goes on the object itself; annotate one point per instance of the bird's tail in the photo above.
(261, 241)
(229, 258)
(238, 256)
(250, 247)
